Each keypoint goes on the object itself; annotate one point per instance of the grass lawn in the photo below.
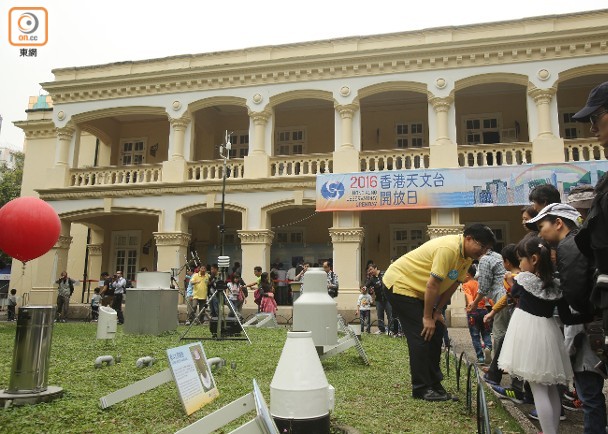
(371, 399)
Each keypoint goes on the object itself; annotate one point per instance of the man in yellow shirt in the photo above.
(419, 284)
(200, 288)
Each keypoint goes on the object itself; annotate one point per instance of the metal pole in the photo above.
(225, 154)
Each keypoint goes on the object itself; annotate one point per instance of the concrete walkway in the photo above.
(461, 341)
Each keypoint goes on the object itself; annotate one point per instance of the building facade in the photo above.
(129, 154)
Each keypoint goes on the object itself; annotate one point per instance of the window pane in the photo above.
(570, 133)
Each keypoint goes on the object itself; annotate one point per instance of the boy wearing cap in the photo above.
(557, 224)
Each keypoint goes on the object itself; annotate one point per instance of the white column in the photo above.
(58, 175)
(542, 98)
(255, 245)
(62, 147)
(171, 248)
(546, 146)
(345, 156)
(444, 152)
(257, 162)
(347, 238)
(178, 130)
(176, 169)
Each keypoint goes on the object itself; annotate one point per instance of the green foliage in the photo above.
(372, 399)
(10, 188)
(10, 179)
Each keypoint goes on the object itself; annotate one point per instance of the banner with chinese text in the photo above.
(449, 188)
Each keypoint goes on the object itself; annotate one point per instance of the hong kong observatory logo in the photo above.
(332, 190)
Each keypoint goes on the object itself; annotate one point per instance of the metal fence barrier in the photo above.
(482, 411)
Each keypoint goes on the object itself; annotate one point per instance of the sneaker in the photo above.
(514, 395)
(574, 405)
(187, 322)
(570, 396)
(378, 332)
(487, 354)
(534, 414)
(481, 360)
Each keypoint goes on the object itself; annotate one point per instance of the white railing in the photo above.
(208, 170)
(296, 165)
(583, 150)
(415, 158)
(142, 174)
(497, 154)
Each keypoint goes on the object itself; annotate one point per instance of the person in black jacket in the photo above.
(592, 239)
(375, 287)
(558, 224)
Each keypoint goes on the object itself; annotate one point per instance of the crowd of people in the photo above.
(556, 275)
(537, 310)
(270, 289)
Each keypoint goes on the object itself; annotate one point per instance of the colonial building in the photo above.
(129, 153)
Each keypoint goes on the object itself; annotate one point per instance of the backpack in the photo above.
(257, 296)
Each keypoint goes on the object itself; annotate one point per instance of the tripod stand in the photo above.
(220, 320)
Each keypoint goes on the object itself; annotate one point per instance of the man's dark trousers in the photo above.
(424, 356)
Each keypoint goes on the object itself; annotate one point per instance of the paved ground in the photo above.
(574, 420)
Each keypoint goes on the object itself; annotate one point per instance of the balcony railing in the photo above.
(414, 158)
(305, 164)
(210, 170)
(497, 154)
(583, 150)
(142, 174)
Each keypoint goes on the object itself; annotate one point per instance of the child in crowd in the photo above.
(533, 348)
(558, 224)
(268, 303)
(235, 290)
(478, 330)
(518, 392)
(95, 301)
(364, 305)
(12, 304)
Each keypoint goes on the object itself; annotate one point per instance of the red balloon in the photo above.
(29, 227)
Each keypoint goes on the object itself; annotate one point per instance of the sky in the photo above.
(84, 32)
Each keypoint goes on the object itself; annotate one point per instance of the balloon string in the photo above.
(23, 269)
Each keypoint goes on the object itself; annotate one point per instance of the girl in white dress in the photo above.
(533, 349)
